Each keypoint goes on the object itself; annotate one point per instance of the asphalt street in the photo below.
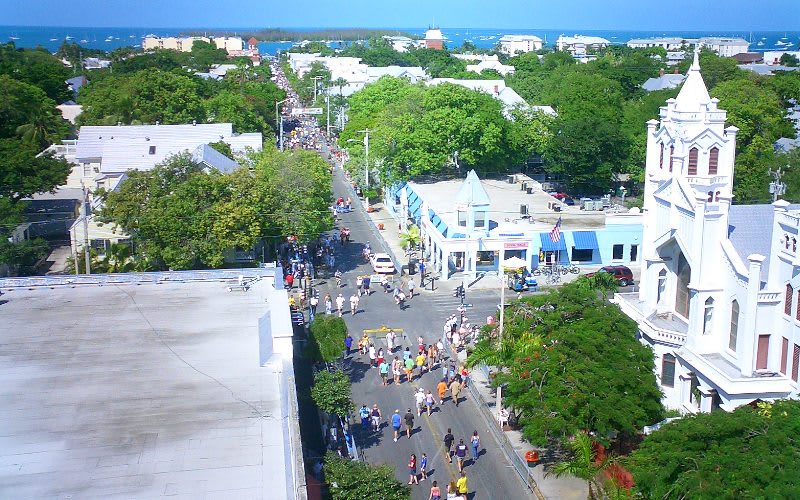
(491, 476)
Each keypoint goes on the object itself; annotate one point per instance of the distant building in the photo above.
(580, 44)
(491, 63)
(400, 43)
(231, 45)
(664, 82)
(96, 63)
(749, 57)
(434, 39)
(773, 57)
(719, 294)
(496, 88)
(512, 44)
(724, 47)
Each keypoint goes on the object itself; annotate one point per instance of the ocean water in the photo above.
(111, 38)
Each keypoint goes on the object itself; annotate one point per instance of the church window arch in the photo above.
(662, 285)
(713, 161)
(692, 168)
(708, 315)
(787, 302)
(682, 297)
(671, 152)
(734, 330)
(661, 158)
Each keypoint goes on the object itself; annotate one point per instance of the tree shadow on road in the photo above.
(367, 438)
(358, 369)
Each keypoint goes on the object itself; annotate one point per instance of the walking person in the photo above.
(363, 412)
(475, 441)
(412, 470)
(455, 390)
(423, 466)
(409, 420)
(396, 368)
(390, 338)
(461, 454)
(421, 361)
(359, 284)
(411, 287)
(448, 444)
(441, 388)
(419, 398)
(429, 402)
(372, 354)
(376, 417)
(314, 301)
(363, 344)
(383, 367)
(436, 492)
(348, 343)
(353, 304)
(328, 304)
(409, 369)
(339, 304)
(396, 419)
(381, 357)
(365, 282)
(461, 484)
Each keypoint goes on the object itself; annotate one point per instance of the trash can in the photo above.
(412, 266)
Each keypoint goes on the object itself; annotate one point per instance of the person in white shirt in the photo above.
(353, 304)
(372, 354)
(419, 397)
(390, 337)
(340, 304)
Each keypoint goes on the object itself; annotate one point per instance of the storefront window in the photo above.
(582, 255)
(488, 259)
(520, 254)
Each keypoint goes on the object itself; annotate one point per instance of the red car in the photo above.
(559, 196)
(623, 274)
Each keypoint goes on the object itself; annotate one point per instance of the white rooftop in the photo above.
(143, 391)
(582, 39)
(141, 147)
(520, 38)
(665, 81)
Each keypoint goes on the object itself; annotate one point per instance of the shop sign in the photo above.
(516, 245)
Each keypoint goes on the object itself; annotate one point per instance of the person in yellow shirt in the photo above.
(420, 362)
(461, 485)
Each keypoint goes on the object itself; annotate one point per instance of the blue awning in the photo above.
(549, 245)
(585, 240)
(414, 207)
(437, 222)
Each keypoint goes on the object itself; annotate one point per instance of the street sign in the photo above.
(306, 111)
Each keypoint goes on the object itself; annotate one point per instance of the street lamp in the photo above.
(279, 120)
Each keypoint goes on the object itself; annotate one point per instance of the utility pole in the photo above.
(315, 78)
(366, 156)
(328, 119)
(776, 187)
(86, 249)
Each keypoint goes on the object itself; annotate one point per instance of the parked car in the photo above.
(569, 201)
(623, 274)
(382, 263)
(557, 195)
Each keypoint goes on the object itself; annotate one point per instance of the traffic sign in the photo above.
(306, 111)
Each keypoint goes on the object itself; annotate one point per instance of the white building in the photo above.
(724, 47)
(496, 88)
(664, 81)
(513, 44)
(773, 57)
(718, 298)
(401, 43)
(491, 63)
(580, 44)
(184, 44)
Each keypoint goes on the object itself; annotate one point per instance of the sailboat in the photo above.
(760, 43)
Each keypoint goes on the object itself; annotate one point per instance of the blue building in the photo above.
(471, 226)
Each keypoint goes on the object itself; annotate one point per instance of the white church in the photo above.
(720, 292)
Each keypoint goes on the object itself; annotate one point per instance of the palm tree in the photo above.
(411, 237)
(118, 258)
(584, 465)
(42, 129)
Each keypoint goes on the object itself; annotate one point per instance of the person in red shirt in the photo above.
(412, 470)
(289, 280)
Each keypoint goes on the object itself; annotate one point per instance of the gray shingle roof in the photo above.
(750, 231)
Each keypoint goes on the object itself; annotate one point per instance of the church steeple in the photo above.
(694, 94)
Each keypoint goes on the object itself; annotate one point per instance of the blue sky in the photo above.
(779, 15)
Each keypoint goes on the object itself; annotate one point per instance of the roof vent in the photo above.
(194, 123)
(158, 123)
(523, 209)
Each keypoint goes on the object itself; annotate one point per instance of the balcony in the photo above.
(663, 328)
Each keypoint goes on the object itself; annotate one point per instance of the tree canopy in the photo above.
(354, 480)
(331, 393)
(747, 453)
(570, 362)
(183, 217)
(36, 67)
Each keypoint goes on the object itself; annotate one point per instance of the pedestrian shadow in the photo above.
(367, 438)
(358, 370)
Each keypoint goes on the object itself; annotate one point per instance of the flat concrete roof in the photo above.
(140, 391)
(506, 199)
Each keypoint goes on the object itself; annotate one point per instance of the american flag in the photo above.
(555, 234)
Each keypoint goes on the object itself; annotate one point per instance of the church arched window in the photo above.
(661, 158)
(713, 161)
(671, 151)
(692, 170)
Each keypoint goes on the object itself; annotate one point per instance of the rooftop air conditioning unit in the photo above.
(523, 209)
(523, 185)
(511, 179)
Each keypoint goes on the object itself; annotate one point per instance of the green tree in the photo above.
(353, 480)
(331, 393)
(584, 464)
(571, 363)
(410, 238)
(789, 163)
(227, 107)
(222, 147)
(746, 453)
(789, 60)
(327, 337)
(27, 112)
(36, 67)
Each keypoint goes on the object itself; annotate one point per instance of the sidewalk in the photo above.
(564, 488)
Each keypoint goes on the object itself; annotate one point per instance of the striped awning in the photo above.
(585, 240)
